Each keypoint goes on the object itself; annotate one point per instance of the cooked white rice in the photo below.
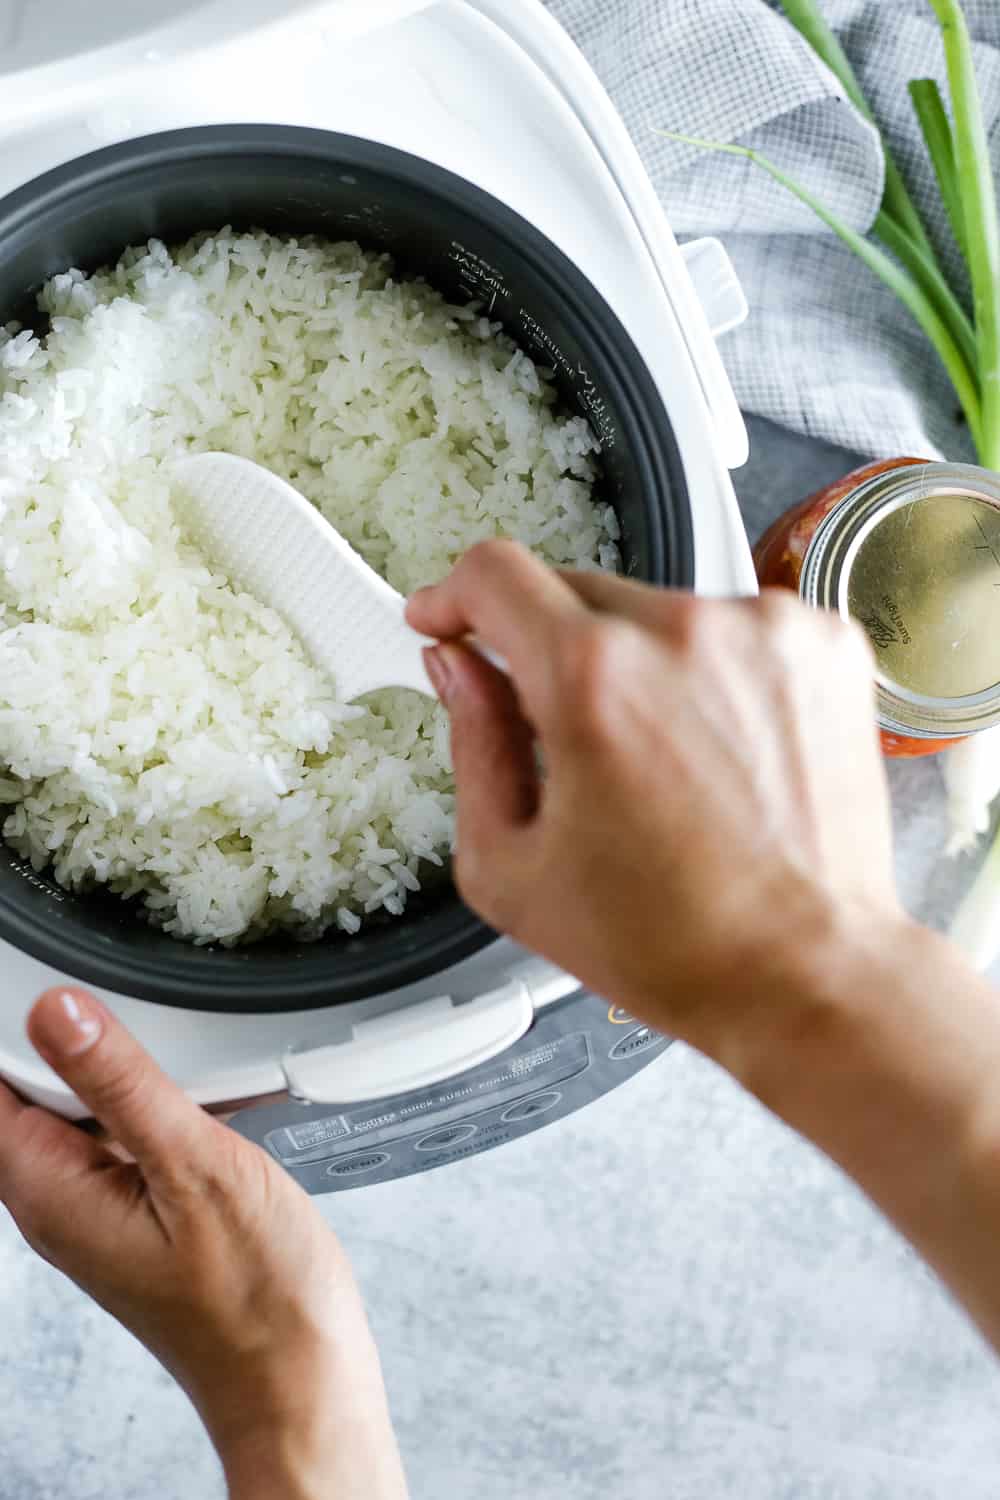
(164, 733)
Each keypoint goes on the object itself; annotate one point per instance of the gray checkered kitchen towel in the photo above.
(827, 350)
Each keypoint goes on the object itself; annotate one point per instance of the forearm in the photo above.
(887, 1057)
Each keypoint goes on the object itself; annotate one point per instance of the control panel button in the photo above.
(618, 1016)
(538, 1104)
(634, 1042)
(358, 1166)
(449, 1135)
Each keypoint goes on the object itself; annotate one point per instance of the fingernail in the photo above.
(66, 1023)
(440, 671)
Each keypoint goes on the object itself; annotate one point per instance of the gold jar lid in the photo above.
(914, 556)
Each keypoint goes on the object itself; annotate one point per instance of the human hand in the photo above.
(713, 801)
(211, 1255)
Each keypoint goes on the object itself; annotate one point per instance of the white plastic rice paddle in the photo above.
(275, 544)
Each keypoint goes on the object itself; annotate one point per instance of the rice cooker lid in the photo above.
(39, 33)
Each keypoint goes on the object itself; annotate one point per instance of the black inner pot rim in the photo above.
(251, 978)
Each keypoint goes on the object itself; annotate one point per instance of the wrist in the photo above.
(865, 996)
(884, 1051)
(813, 998)
(782, 994)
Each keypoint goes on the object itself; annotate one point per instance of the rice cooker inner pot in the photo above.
(467, 244)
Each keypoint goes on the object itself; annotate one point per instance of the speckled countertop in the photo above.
(695, 1304)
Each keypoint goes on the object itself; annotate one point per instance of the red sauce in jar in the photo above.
(780, 553)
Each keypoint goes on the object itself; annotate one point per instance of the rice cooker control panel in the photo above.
(576, 1050)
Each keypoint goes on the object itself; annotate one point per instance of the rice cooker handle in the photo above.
(718, 288)
(423, 1044)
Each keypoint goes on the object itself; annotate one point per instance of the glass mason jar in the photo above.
(911, 550)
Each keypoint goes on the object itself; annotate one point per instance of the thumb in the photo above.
(493, 750)
(110, 1073)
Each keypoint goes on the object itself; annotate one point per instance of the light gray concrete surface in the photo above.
(667, 1295)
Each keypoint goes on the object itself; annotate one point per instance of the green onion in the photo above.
(982, 227)
(931, 280)
(808, 19)
(906, 288)
(936, 131)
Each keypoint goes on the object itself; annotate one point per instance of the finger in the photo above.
(611, 595)
(119, 1082)
(492, 746)
(672, 614)
(512, 602)
(39, 1154)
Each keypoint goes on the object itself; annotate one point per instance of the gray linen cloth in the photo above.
(827, 350)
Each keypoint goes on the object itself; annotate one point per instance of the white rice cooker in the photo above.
(500, 1043)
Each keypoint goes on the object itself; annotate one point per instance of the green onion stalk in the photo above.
(900, 253)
